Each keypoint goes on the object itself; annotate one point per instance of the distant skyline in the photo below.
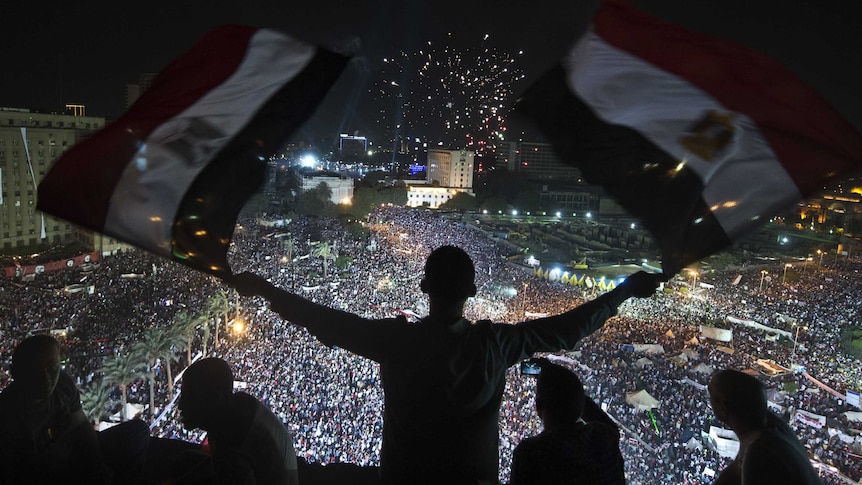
(86, 53)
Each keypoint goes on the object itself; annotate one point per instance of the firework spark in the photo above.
(447, 96)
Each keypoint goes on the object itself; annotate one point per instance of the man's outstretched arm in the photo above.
(563, 331)
(330, 326)
(290, 306)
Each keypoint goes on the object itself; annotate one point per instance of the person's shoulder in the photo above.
(244, 403)
(602, 429)
(8, 400)
(531, 444)
(773, 457)
(66, 391)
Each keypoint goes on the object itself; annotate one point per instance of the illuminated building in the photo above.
(341, 187)
(30, 143)
(535, 160)
(448, 172)
(451, 168)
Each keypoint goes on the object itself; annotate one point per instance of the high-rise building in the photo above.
(535, 160)
(134, 91)
(449, 172)
(30, 143)
(451, 168)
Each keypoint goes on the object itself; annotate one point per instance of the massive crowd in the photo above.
(332, 400)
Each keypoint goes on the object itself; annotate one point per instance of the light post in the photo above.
(763, 274)
(784, 277)
(693, 279)
(821, 253)
(795, 340)
(805, 265)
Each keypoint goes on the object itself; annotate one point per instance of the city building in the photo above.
(341, 187)
(451, 168)
(30, 143)
(134, 91)
(448, 172)
(419, 195)
(535, 160)
(352, 149)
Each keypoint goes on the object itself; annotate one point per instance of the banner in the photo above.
(51, 266)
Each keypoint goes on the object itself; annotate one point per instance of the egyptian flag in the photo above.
(172, 174)
(701, 138)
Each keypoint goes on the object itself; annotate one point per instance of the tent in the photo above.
(643, 362)
(649, 348)
(703, 369)
(693, 443)
(680, 359)
(642, 400)
(726, 441)
(103, 425)
(132, 410)
(690, 353)
(854, 416)
(775, 396)
(720, 334)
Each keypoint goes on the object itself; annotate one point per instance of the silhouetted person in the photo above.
(769, 451)
(579, 442)
(248, 443)
(44, 435)
(443, 377)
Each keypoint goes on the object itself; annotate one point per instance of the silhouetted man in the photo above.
(579, 442)
(443, 377)
(44, 435)
(248, 443)
(769, 451)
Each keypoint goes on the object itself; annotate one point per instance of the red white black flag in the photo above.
(702, 138)
(172, 174)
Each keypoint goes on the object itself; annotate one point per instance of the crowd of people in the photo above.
(331, 400)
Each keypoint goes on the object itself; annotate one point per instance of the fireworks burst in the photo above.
(447, 96)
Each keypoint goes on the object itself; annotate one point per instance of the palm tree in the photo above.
(121, 370)
(158, 343)
(218, 305)
(325, 251)
(95, 399)
(186, 326)
(289, 245)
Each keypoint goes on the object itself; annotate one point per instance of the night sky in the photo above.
(86, 52)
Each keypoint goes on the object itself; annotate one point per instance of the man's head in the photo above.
(449, 274)
(559, 394)
(738, 399)
(36, 366)
(206, 391)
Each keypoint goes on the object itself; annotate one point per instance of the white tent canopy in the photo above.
(643, 362)
(690, 353)
(720, 334)
(132, 410)
(726, 441)
(649, 348)
(854, 416)
(642, 400)
(680, 359)
(693, 443)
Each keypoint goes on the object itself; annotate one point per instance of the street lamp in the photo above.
(805, 265)
(821, 253)
(784, 277)
(795, 340)
(693, 279)
(763, 274)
